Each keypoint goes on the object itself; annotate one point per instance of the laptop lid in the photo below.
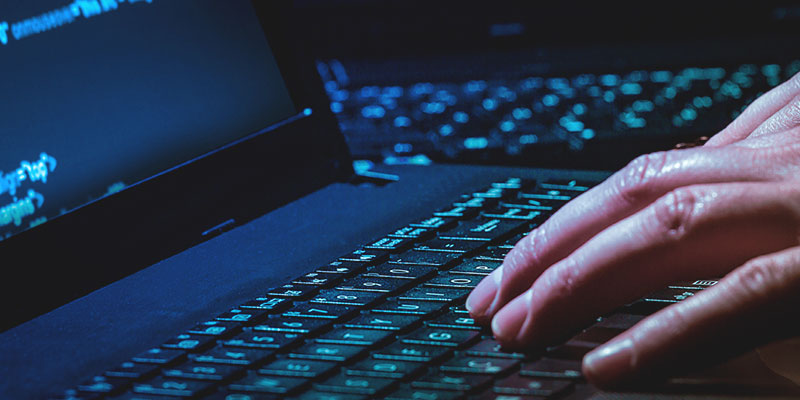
(133, 129)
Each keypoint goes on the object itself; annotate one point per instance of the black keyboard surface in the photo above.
(384, 321)
(590, 120)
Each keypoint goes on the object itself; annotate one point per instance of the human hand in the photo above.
(729, 208)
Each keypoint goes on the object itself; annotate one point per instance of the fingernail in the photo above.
(608, 364)
(483, 295)
(508, 321)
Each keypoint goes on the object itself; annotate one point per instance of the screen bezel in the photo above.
(115, 236)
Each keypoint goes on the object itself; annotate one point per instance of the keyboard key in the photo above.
(217, 329)
(343, 268)
(262, 340)
(658, 300)
(317, 279)
(409, 307)
(410, 272)
(254, 383)
(406, 392)
(293, 325)
(104, 385)
(314, 310)
(550, 368)
(619, 321)
(457, 211)
(435, 223)
(440, 337)
(348, 298)
(298, 368)
(699, 284)
(455, 321)
(553, 198)
(191, 343)
(434, 294)
(274, 305)
(573, 185)
(203, 372)
(478, 365)
(475, 267)
(412, 232)
(233, 356)
(343, 383)
(544, 205)
(454, 281)
(354, 337)
(411, 352)
(516, 384)
(493, 253)
(494, 192)
(132, 370)
(373, 284)
(513, 213)
(514, 183)
(451, 381)
(327, 352)
(474, 202)
(449, 246)
(425, 258)
(390, 322)
(293, 292)
(366, 256)
(173, 387)
(489, 347)
(391, 244)
(160, 356)
(393, 369)
(244, 316)
(484, 229)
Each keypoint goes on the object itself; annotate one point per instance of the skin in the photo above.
(730, 208)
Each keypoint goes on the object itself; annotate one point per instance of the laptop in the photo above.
(180, 219)
(542, 84)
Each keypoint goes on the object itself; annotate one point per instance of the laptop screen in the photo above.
(101, 94)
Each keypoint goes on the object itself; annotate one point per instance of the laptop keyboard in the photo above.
(384, 321)
(539, 119)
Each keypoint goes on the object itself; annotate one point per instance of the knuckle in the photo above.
(526, 252)
(637, 180)
(562, 280)
(756, 277)
(675, 211)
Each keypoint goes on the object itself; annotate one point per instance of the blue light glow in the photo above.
(460, 117)
(373, 111)
(476, 143)
(550, 100)
(446, 130)
(609, 80)
(402, 122)
(521, 113)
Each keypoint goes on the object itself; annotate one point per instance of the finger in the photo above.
(755, 304)
(624, 193)
(787, 117)
(757, 112)
(690, 233)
